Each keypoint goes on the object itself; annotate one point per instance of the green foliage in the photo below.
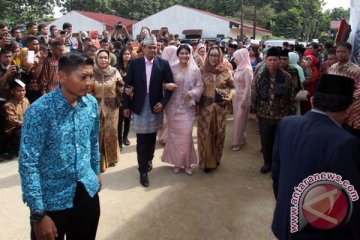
(23, 11)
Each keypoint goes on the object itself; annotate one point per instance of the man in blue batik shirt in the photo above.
(59, 156)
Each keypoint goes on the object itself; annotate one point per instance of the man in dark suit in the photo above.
(314, 162)
(146, 76)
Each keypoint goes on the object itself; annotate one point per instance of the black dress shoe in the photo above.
(144, 180)
(126, 141)
(150, 167)
(265, 169)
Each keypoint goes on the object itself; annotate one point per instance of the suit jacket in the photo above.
(136, 77)
(306, 145)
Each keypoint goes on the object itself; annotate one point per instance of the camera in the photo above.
(18, 69)
(118, 27)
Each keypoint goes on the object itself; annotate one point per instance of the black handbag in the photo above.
(218, 98)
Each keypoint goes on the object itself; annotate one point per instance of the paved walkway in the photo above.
(233, 203)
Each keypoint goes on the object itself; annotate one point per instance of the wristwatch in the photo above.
(36, 217)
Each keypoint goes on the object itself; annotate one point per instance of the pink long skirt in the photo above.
(179, 149)
(240, 119)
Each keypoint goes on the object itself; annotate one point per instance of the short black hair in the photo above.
(71, 61)
(117, 44)
(345, 45)
(314, 45)
(2, 25)
(181, 47)
(56, 43)
(41, 26)
(90, 49)
(120, 59)
(5, 50)
(331, 51)
(14, 29)
(286, 44)
(104, 41)
(52, 27)
(29, 39)
(67, 25)
(13, 85)
(30, 24)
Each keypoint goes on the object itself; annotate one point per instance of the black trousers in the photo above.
(126, 122)
(2, 126)
(267, 135)
(145, 148)
(79, 222)
(13, 142)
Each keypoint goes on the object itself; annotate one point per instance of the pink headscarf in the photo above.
(93, 35)
(169, 54)
(242, 58)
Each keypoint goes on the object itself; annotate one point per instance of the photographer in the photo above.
(67, 27)
(120, 34)
(8, 72)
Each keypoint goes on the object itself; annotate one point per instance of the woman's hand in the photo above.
(129, 90)
(186, 96)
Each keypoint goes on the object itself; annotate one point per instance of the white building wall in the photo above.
(79, 22)
(179, 18)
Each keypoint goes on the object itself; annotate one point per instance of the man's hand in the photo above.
(126, 113)
(41, 55)
(100, 181)
(10, 70)
(158, 108)
(45, 229)
(253, 117)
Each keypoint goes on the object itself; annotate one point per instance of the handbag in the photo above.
(302, 95)
(218, 98)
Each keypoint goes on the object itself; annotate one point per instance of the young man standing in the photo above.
(59, 160)
(49, 78)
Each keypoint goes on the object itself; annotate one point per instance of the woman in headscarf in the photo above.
(241, 101)
(311, 84)
(94, 36)
(181, 111)
(200, 55)
(108, 87)
(294, 62)
(218, 93)
(168, 54)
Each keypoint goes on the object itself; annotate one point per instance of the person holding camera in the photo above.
(120, 34)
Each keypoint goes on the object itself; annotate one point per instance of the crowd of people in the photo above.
(160, 89)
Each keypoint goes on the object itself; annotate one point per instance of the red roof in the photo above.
(246, 25)
(109, 20)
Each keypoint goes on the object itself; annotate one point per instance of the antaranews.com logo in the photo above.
(323, 200)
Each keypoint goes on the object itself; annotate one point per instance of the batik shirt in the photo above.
(59, 148)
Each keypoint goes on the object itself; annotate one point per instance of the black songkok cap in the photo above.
(336, 85)
(284, 53)
(273, 52)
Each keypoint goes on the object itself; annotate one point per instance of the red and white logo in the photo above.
(325, 206)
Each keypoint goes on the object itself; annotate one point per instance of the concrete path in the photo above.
(233, 203)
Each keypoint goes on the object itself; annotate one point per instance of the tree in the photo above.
(288, 24)
(23, 11)
(339, 13)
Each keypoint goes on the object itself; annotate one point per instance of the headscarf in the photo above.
(109, 70)
(199, 46)
(294, 59)
(221, 66)
(242, 58)
(314, 61)
(94, 38)
(84, 33)
(169, 54)
(192, 66)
